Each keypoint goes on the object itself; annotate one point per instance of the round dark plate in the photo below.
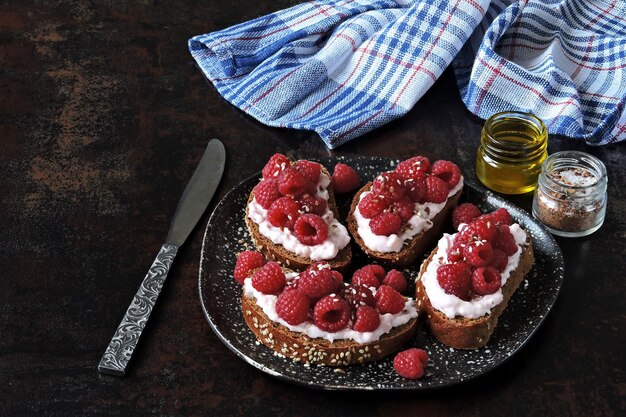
(226, 235)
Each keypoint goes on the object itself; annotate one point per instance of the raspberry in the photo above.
(310, 229)
(313, 205)
(358, 295)
(479, 229)
(266, 192)
(502, 216)
(367, 319)
(376, 270)
(369, 275)
(486, 280)
(269, 279)
(372, 205)
(414, 168)
(310, 170)
(344, 179)
(499, 260)
(436, 190)
(447, 171)
(293, 183)
(455, 279)
(464, 213)
(405, 208)
(389, 184)
(389, 300)
(247, 261)
(410, 363)
(504, 240)
(396, 280)
(386, 224)
(331, 313)
(455, 253)
(317, 281)
(293, 306)
(478, 253)
(338, 278)
(275, 165)
(416, 189)
(283, 212)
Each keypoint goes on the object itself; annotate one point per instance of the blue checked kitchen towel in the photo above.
(344, 67)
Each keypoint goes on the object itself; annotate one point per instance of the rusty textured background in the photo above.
(104, 116)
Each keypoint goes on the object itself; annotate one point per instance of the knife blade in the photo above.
(193, 203)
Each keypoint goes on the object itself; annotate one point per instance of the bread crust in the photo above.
(412, 249)
(464, 333)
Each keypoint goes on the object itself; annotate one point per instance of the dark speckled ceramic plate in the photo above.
(226, 235)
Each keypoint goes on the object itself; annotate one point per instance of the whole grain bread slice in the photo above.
(464, 333)
(420, 243)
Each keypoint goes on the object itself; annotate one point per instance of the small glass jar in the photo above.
(513, 145)
(571, 197)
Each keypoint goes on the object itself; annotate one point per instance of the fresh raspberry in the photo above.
(311, 170)
(396, 280)
(455, 252)
(283, 212)
(338, 278)
(369, 276)
(486, 280)
(293, 183)
(269, 279)
(331, 313)
(499, 260)
(410, 363)
(344, 179)
(386, 224)
(313, 205)
(479, 229)
(317, 281)
(416, 189)
(389, 300)
(377, 270)
(504, 240)
(247, 261)
(502, 216)
(389, 184)
(455, 279)
(478, 253)
(436, 190)
(310, 229)
(372, 205)
(414, 168)
(275, 165)
(293, 306)
(367, 319)
(405, 208)
(266, 192)
(358, 295)
(447, 171)
(464, 213)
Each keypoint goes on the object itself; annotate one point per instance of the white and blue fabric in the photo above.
(343, 68)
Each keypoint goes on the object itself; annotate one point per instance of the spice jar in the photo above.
(513, 146)
(570, 198)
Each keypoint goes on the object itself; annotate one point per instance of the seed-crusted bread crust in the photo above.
(464, 333)
(289, 259)
(411, 249)
(301, 348)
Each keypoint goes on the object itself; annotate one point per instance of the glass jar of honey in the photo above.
(513, 145)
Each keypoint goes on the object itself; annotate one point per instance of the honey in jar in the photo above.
(513, 146)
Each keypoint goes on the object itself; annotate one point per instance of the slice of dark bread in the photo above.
(464, 333)
(289, 259)
(412, 249)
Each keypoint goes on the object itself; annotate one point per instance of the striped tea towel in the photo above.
(343, 68)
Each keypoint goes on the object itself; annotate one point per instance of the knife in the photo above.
(193, 203)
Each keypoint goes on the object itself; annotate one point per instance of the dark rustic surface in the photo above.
(103, 118)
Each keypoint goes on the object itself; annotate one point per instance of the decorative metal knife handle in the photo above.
(126, 337)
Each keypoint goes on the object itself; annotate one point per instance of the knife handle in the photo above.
(126, 337)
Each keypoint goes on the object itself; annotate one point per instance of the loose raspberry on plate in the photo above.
(396, 280)
(464, 213)
(410, 363)
(389, 300)
(367, 319)
(266, 192)
(447, 171)
(247, 261)
(358, 295)
(269, 279)
(504, 240)
(372, 205)
(293, 183)
(344, 179)
(389, 184)
(486, 280)
(405, 208)
(456, 279)
(317, 281)
(313, 205)
(386, 224)
(283, 212)
(478, 253)
(414, 168)
(436, 190)
(331, 313)
(293, 306)
(275, 165)
(499, 260)
(311, 229)
(311, 170)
